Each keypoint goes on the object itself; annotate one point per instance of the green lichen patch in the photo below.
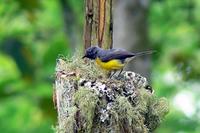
(158, 109)
(82, 68)
(152, 108)
(128, 117)
(86, 102)
(69, 123)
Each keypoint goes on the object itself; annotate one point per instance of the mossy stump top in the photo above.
(88, 102)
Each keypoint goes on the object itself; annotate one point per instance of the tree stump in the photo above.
(88, 102)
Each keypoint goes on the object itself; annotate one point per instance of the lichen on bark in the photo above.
(89, 102)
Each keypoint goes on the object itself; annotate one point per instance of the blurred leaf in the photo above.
(21, 116)
(8, 69)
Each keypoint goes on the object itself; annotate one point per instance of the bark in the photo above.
(98, 23)
(89, 14)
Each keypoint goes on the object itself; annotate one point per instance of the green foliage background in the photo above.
(175, 33)
(36, 27)
(32, 36)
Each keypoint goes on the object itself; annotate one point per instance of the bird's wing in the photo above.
(108, 55)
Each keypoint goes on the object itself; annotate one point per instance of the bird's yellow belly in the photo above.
(110, 65)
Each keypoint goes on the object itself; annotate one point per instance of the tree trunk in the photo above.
(98, 23)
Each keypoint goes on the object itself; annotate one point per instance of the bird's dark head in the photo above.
(91, 52)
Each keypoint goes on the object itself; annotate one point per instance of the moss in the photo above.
(149, 111)
(161, 108)
(144, 98)
(138, 111)
(86, 100)
(154, 109)
(129, 119)
(69, 123)
(158, 108)
(82, 68)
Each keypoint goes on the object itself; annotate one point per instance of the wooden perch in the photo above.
(88, 102)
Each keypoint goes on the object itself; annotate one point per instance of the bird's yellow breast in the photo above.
(110, 65)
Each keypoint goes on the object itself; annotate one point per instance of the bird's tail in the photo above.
(144, 53)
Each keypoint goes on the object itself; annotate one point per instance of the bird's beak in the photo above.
(83, 56)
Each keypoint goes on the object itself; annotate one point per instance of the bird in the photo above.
(112, 59)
